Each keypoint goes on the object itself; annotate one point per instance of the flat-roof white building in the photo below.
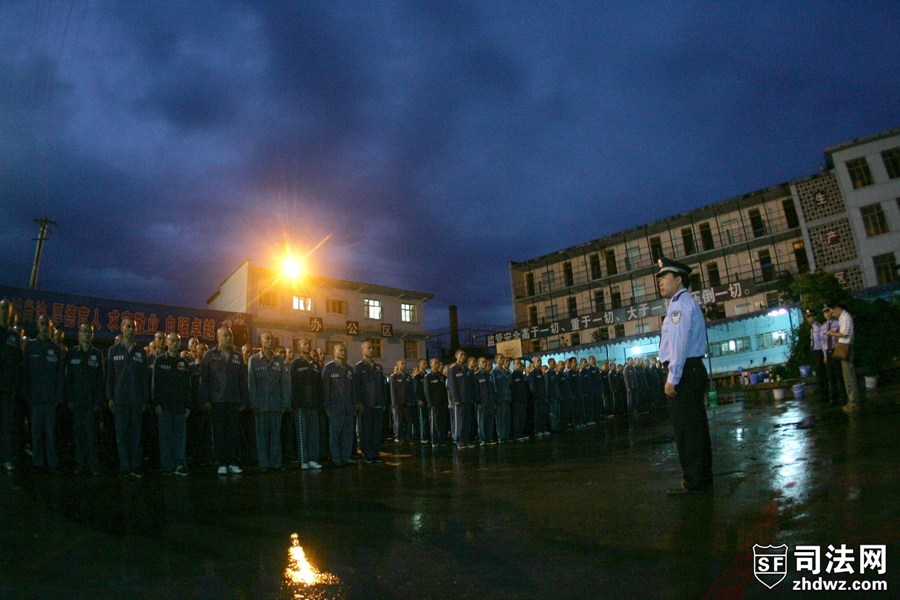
(327, 311)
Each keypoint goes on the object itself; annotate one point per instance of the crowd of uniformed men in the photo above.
(227, 406)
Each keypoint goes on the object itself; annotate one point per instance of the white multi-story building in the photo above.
(868, 174)
(845, 220)
(327, 311)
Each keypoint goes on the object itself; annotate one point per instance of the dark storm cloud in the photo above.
(432, 141)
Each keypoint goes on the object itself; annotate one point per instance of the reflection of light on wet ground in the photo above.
(304, 580)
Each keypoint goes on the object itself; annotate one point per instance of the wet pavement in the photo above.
(580, 514)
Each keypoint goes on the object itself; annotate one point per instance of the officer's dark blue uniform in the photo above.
(537, 385)
(682, 346)
(500, 377)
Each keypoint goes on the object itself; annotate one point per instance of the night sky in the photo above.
(433, 142)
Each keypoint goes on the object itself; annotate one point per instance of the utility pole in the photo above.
(45, 224)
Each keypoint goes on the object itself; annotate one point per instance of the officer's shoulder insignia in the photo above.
(676, 316)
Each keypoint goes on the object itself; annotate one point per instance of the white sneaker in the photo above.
(304, 466)
(223, 470)
(234, 469)
(314, 465)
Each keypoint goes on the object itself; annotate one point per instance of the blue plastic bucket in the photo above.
(798, 391)
(805, 370)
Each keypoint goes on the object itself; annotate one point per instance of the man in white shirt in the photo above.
(845, 335)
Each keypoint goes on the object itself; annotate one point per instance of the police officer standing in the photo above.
(84, 390)
(682, 346)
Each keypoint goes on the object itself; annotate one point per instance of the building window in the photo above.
(376, 346)
(873, 219)
(891, 160)
(801, 258)
(695, 283)
(724, 348)
(619, 330)
(706, 236)
(333, 306)
(573, 307)
(655, 248)
(601, 333)
(615, 296)
(687, 239)
(268, 300)
(568, 275)
(860, 175)
(372, 308)
(790, 214)
(410, 350)
(632, 258)
(638, 291)
(885, 268)
(529, 284)
(599, 302)
(551, 313)
(532, 316)
(408, 313)
(771, 339)
(595, 266)
(611, 262)
(756, 223)
(765, 265)
(575, 339)
(301, 303)
(712, 273)
(549, 277)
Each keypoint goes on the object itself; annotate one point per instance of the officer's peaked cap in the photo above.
(667, 265)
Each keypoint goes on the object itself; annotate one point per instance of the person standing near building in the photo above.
(84, 392)
(42, 388)
(270, 395)
(818, 345)
(486, 403)
(171, 394)
(403, 403)
(341, 406)
(10, 385)
(574, 379)
(435, 383)
(553, 395)
(846, 335)
(537, 385)
(128, 393)
(682, 346)
(518, 393)
(423, 410)
(223, 390)
(500, 377)
(833, 369)
(306, 401)
(369, 379)
(630, 377)
(461, 392)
